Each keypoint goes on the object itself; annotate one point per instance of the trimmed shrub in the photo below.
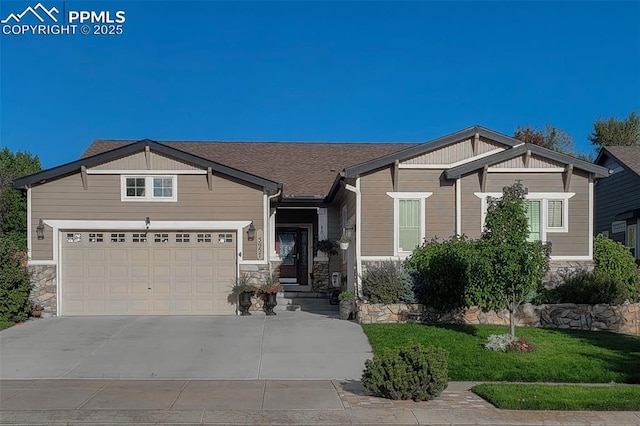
(614, 261)
(413, 372)
(389, 282)
(498, 342)
(589, 288)
(14, 282)
(442, 272)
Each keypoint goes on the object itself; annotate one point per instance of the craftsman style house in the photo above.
(144, 227)
(617, 198)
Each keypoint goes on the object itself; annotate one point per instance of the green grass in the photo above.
(5, 324)
(550, 397)
(562, 356)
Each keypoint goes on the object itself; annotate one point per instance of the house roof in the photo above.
(132, 147)
(456, 172)
(305, 169)
(628, 156)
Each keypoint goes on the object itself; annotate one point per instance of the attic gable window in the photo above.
(149, 188)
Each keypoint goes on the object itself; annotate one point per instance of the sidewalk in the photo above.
(322, 402)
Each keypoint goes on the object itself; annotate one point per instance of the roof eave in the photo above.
(356, 170)
(457, 172)
(74, 166)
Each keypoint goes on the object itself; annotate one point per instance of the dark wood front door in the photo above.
(293, 248)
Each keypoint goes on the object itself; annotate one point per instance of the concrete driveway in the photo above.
(291, 345)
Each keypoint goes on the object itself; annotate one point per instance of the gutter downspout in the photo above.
(356, 190)
(267, 237)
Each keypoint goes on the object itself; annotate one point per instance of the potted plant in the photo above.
(244, 290)
(329, 247)
(269, 291)
(347, 302)
(344, 242)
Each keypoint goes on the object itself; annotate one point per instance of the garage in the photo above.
(147, 273)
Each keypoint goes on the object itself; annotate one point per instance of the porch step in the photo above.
(308, 302)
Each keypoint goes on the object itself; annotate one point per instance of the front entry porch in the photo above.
(295, 231)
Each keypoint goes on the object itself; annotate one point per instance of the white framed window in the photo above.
(547, 212)
(408, 220)
(149, 188)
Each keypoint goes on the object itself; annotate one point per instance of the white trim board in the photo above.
(526, 170)
(155, 225)
(146, 172)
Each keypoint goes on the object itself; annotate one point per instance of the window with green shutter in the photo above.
(409, 225)
(532, 208)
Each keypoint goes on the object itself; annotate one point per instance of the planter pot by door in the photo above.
(245, 302)
(346, 309)
(270, 302)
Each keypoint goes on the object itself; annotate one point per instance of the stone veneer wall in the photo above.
(560, 268)
(43, 287)
(321, 280)
(257, 275)
(620, 319)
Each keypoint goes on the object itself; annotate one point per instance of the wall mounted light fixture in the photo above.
(40, 230)
(251, 232)
(147, 222)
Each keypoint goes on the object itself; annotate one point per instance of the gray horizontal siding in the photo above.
(615, 194)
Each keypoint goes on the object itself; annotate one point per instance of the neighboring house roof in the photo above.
(305, 169)
(456, 172)
(627, 156)
(357, 169)
(131, 148)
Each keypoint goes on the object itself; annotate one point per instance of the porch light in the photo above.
(147, 222)
(347, 232)
(40, 230)
(251, 232)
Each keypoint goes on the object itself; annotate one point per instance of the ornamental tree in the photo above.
(508, 268)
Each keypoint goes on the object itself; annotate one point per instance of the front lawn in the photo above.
(570, 356)
(550, 397)
(5, 324)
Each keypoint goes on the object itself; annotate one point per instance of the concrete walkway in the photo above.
(291, 345)
(300, 402)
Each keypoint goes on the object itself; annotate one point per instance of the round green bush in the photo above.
(613, 261)
(412, 372)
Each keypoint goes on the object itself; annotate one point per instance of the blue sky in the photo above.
(317, 71)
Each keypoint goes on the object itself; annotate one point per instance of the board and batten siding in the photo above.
(618, 193)
(455, 152)
(138, 161)
(65, 199)
(572, 243)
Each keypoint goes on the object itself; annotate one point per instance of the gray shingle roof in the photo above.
(306, 169)
(629, 155)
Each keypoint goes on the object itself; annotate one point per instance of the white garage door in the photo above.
(133, 273)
